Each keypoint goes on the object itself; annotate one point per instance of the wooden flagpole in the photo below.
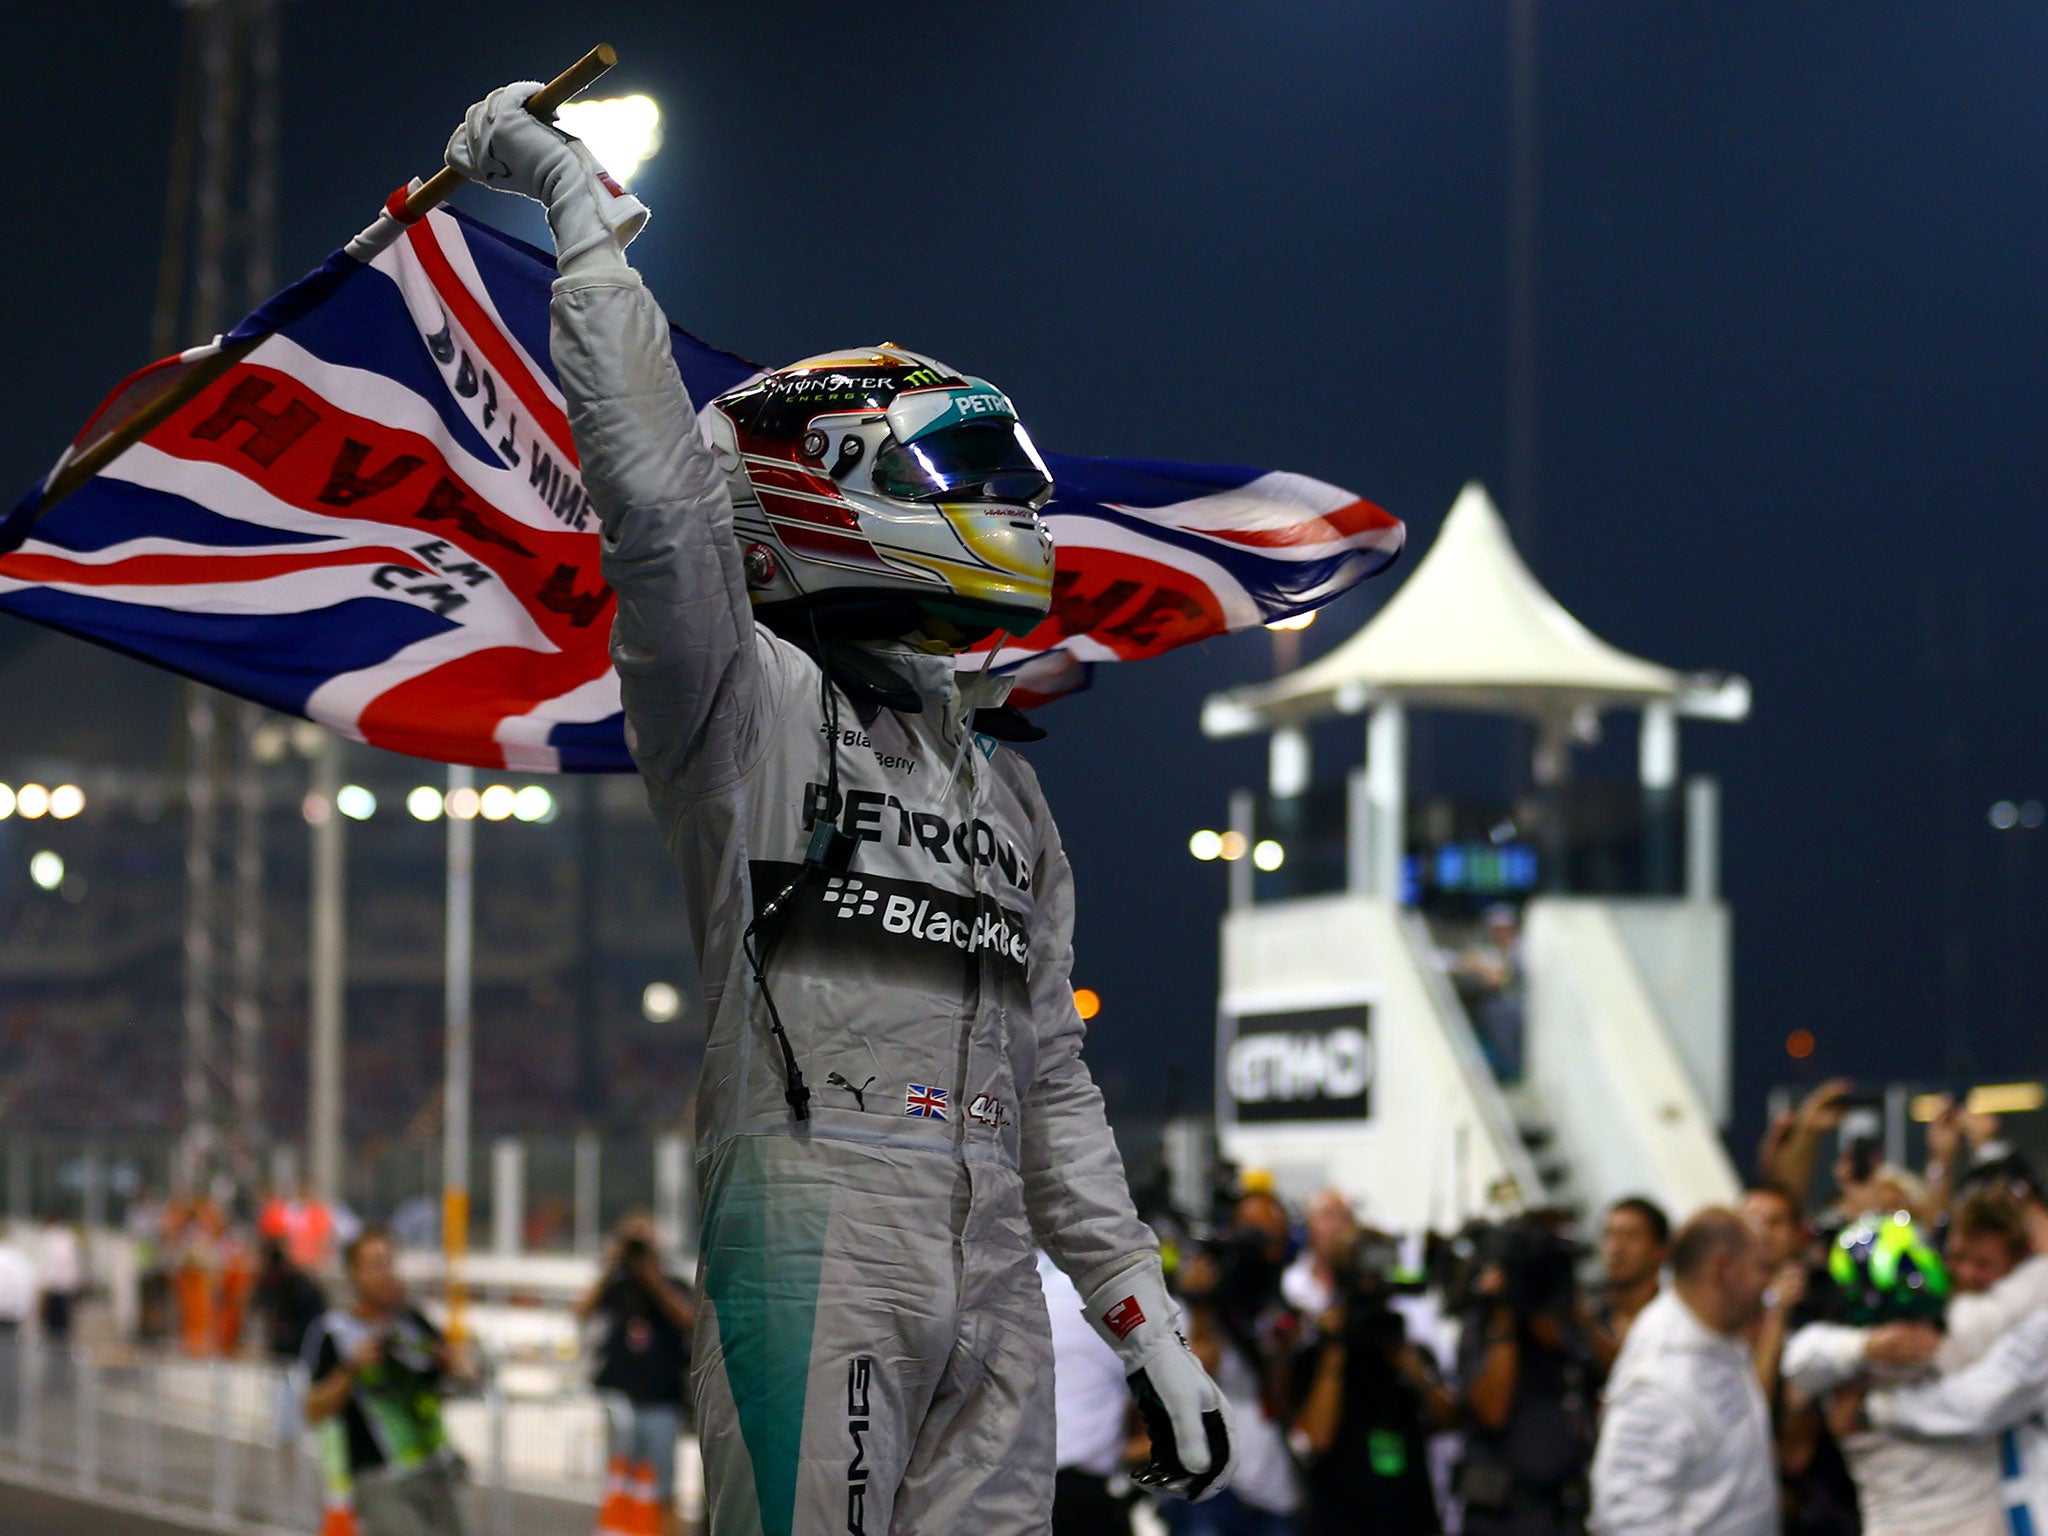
(72, 472)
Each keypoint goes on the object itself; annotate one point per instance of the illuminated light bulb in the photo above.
(462, 804)
(495, 804)
(621, 132)
(1087, 1002)
(660, 1003)
(533, 803)
(32, 801)
(1205, 845)
(424, 803)
(1231, 845)
(355, 802)
(46, 869)
(1268, 855)
(66, 801)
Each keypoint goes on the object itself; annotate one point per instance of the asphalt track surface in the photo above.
(29, 1512)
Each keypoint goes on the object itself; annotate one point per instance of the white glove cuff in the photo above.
(593, 218)
(1133, 1313)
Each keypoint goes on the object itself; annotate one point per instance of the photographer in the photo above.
(1367, 1401)
(1528, 1371)
(644, 1360)
(379, 1371)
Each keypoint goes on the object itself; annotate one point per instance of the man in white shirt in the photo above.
(17, 1306)
(1091, 1410)
(1685, 1440)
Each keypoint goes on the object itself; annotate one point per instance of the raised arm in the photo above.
(2004, 1388)
(683, 641)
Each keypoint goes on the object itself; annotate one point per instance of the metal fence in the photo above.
(223, 1444)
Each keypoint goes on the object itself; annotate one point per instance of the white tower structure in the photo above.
(1344, 1054)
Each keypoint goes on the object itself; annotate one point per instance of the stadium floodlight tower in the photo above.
(1347, 1051)
(218, 262)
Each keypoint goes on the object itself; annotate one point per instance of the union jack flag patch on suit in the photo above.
(922, 1103)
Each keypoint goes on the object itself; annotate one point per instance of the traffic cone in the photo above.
(645, 1510)
(616, 1516)
(338, 1519)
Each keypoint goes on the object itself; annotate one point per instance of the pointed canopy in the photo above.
(1472, 629)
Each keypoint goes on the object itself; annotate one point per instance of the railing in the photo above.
(222, 1443)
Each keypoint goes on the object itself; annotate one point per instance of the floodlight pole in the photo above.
(455, 1092)
(326, 962)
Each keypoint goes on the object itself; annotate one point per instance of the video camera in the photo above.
(1538, 1265)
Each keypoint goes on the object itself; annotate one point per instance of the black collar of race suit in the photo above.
(871, 684)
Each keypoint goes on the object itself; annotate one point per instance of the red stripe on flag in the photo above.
(546, 415)
(166, 570)
(453, 712)
(1330, 528)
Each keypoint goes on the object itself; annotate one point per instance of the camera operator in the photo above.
(643, 1359)
(379, 1371)
(1366, 1401)
(1527, 1364)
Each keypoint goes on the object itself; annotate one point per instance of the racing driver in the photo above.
(893, 1109)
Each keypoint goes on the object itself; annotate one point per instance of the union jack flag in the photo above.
(922, 1103)
(375, 520)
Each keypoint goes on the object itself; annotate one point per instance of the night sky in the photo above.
(1793, 371)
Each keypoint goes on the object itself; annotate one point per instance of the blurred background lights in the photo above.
(424, 803)
(2031, 814)
(1268, 855)
(46, 869)
(2005, 815)
(1231, 845)
(623, 132)
(533, 803)
(1799, 1044)
(66, 801)
(1205, 845)
(495, 804)
(355, 802)
(1299, 621)
(1086, 1002)
(316, 809)
(6, 801)
(660, 1003)
(462, 803)
(32, 800)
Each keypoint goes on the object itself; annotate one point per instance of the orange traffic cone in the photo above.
(644, 1510)
(338, 1520)
(615, 1516)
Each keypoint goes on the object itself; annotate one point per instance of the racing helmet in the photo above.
(1885, 1270)
(881, 494)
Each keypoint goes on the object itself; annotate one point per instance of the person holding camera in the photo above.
(643, 1364)
(380, 1370)
(1528, 1369)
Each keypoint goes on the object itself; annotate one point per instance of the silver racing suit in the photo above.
(872, 1353)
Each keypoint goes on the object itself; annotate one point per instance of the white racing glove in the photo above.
(1184, 1413)
(508, 149)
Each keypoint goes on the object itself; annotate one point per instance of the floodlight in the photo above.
(424, 802)
(32, 800)
(495, 804)
(623, 132)
(355, 802)
(46, 869)
(462, 803)
(533, 803)
(1268, 855)
(6, 801)
(66, 801)
(1298, 621)
(1206, 845)
(660, 1002)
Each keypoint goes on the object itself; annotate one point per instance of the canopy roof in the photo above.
(1472, 629)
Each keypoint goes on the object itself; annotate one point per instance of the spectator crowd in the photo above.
(1866, 1353)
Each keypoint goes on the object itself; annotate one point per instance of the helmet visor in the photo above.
(973, 461)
